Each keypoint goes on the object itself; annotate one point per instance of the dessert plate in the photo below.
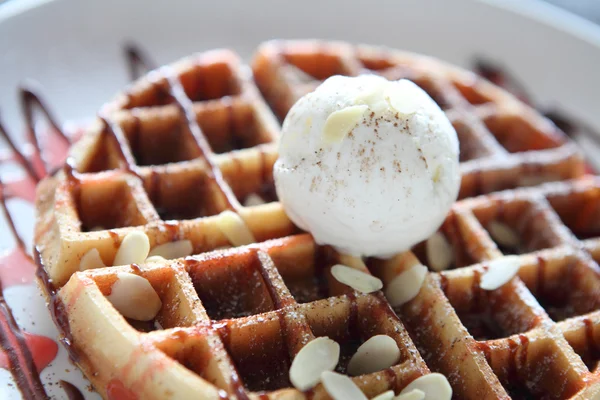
(75, 51)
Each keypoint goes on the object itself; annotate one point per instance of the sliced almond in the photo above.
(406, 286)
(340, 387)
(377, 353)
(253, 200)
(435, 386)
(356, 279)
(339, 123)
(353, 261)
(401, 97)
(91, 260)
(439, 252)
(154, 259)
(134, 249)
(171, 250)
(499, 272)
(318, 355)
(134, 297)
(503, 234)
(389, 395)
(234, 228)
(414, 394)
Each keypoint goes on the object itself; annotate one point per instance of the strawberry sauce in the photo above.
(25, 354)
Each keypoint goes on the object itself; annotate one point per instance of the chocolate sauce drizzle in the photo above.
(24, 161)
(115, 132)
(137, 61)
(29, 102)
(71, 391)
(187, 108)
(12, 340)
(506, 80)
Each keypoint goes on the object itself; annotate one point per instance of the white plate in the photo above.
(73, 48)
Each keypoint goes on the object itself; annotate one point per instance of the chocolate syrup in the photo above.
(114, 131)
(138, 62)
(224, 332)
(185, 105)
(57, 307)
(71, 391)
(593, 354)
(20, 360)
(29, 102)
(567, 124)
(23, 161)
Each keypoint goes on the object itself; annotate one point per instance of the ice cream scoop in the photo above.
(367, 165)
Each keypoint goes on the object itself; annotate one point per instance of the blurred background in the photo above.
(589, 9)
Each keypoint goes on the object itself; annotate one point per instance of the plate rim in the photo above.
(540, 11)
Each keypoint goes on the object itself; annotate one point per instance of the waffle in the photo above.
(194, 140)
(503, 142)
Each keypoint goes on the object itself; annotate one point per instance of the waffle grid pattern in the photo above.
(175, 182)
(504, 143)
(522, 329)
(236, 317)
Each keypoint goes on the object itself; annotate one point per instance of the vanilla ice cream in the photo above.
(367, 165)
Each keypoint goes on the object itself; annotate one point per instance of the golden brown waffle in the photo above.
(503, 142)
(146, 166)
(232, 320)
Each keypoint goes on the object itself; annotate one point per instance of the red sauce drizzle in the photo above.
(116, 390)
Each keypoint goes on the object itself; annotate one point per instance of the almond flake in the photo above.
(339, 123)
(435, 386)
(439, 252)
(499, 272)
(400, 97)
(134, 297)
(414, 394)
(389, 395)
(340, 387)
(503, 234)
(91, 260)
(318, 355)
(172, 250)
(234, 228)
(155, 259)
(356, 279)
(134, 249)
(353, 262)
(377, 353)
(253, 200)
(406, 286)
